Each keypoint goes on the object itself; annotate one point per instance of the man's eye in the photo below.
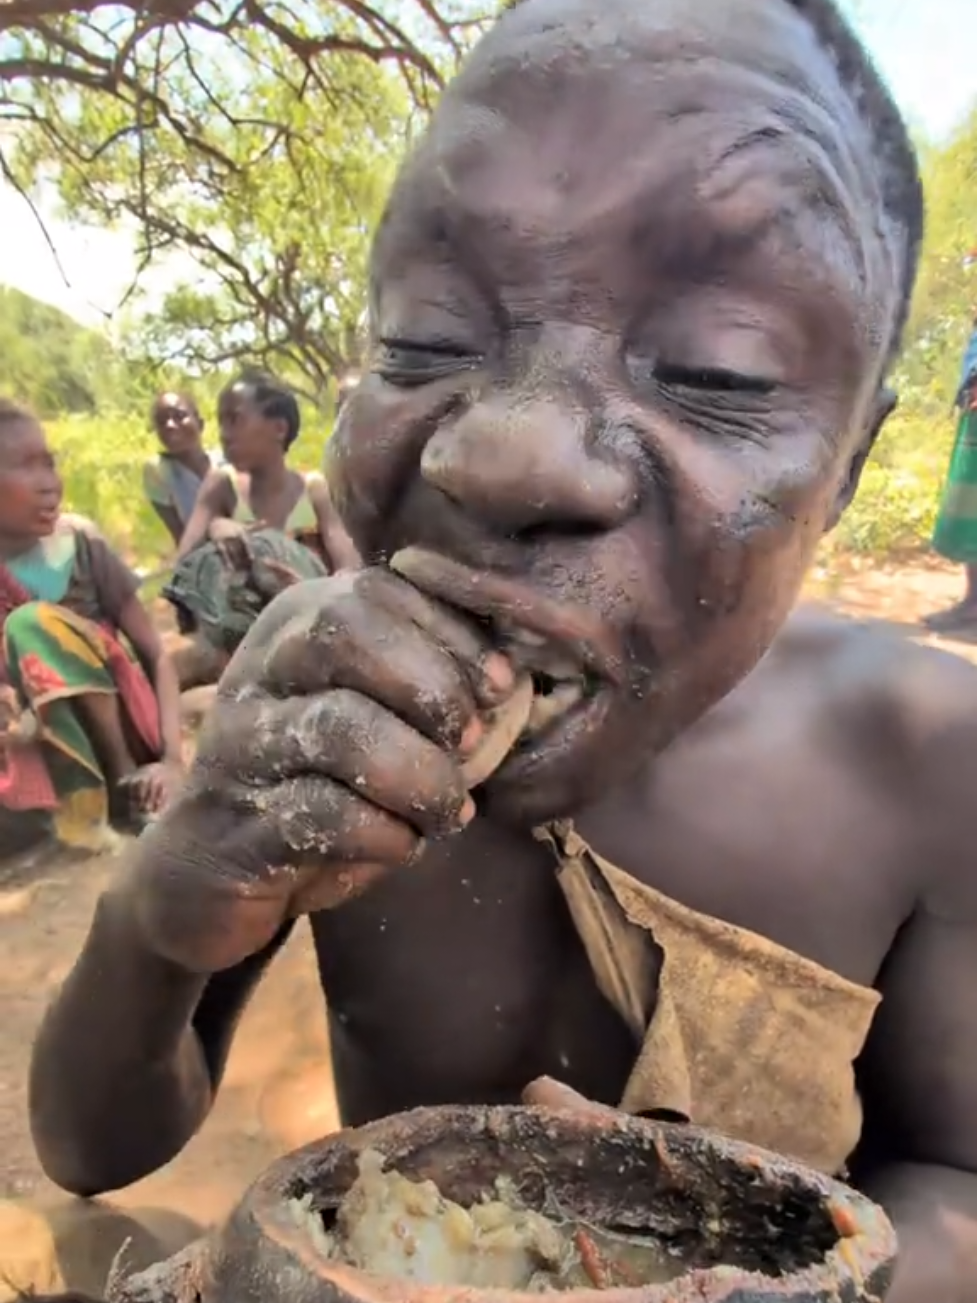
(406, 363)
(710, 380)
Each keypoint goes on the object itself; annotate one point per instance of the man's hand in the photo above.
(334, 748)
(544, 1092)
(232, 538)
(154, 786)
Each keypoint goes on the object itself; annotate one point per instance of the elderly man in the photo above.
(634, 301)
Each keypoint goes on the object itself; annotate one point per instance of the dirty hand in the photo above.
(153, 786)
(272, 577)
(336, 745)
(232, 539)
(222, 529)
(544, 1092)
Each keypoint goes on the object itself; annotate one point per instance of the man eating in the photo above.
(634, 302)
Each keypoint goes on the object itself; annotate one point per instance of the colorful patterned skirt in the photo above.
(53, 657)
(955, 535)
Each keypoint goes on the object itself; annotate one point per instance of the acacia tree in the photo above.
(250, 143)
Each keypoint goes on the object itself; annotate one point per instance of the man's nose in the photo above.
(523, 465)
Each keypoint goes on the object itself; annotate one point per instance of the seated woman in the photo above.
(257, 525)
(173, 478)
(259, 421)
(89, 701)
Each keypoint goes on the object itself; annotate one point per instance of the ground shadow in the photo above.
(90, 1236)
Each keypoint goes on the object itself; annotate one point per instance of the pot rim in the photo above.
(863, 1255)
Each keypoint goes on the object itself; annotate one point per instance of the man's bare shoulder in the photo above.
(904, 716)
(871, 669)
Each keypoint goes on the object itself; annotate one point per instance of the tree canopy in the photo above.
(250, 143)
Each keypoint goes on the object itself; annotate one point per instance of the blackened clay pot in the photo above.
(754, 1228)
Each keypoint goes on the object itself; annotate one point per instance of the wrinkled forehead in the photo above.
(571, 116)
(583, 86)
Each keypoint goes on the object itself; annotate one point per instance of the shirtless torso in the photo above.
(810, 806)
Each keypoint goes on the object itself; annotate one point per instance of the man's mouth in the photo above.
(559, 683)
(568, 652)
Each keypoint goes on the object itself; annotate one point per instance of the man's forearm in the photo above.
(934, 1211)
(118, 1081)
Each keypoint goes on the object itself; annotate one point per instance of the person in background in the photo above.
(955, 535)
(258, 526)
(173, 478)
(259, 422)
(172, 481)
(89, 724)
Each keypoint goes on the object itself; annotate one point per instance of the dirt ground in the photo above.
(277, 1093)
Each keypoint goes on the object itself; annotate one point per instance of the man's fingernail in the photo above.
(467, 812)
(471, 736)
(498, 671)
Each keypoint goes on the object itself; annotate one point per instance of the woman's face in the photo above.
(249, 438)
(177, 423)
(30, 486)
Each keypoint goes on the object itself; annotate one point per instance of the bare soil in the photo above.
(278, 1092)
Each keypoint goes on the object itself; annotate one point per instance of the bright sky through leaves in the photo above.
(925, 49)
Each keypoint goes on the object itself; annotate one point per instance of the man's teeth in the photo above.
(558, 680)
(541, 657)
(549, 706)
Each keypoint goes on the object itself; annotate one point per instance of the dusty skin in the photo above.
(277, 1093)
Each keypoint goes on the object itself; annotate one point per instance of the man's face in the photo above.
(177, 424)
(630, 310)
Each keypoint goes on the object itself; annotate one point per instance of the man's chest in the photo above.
(466, 977)
(769, 830)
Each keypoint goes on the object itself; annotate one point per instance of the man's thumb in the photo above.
(544, 1092)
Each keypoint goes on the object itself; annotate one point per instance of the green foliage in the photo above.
(54, 365)
(895, 509)
(897, 502)
(101, 460)
(259, 178)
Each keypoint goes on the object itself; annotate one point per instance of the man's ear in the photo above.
(885, 403)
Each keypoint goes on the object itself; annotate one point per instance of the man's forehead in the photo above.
(609, 151)
(570, 78)
(568, 108)
(538, 37)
